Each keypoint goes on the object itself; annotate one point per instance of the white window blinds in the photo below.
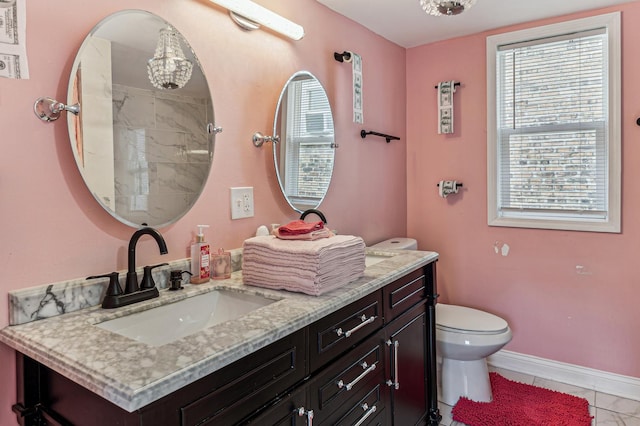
(553, 126)
(552, 117)
(309, 145)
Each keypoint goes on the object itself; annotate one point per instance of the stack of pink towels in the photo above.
(310, 267)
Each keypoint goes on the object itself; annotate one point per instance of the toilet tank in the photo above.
(400, 243)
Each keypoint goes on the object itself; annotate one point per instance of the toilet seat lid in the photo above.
(463, 319)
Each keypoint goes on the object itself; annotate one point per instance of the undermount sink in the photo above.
(168, 323)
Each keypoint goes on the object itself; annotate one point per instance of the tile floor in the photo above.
(607, 410)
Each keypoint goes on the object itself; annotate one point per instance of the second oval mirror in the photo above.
(305, 155)
(144, 138)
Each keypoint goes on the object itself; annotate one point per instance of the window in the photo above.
(553, 126)
(310, 143)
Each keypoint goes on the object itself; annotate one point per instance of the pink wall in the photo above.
(53, 230)
(587, 319)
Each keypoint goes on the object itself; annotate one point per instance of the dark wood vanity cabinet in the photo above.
(372, 362)
(369, 363)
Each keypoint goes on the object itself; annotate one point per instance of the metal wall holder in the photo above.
(458, 185)
(389, 138)
(345, 56)
(455, 84)
(259, 139)
(48, 109)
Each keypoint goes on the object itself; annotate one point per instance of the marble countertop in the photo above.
(131, 374)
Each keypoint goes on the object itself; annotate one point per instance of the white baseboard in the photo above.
(589, 378)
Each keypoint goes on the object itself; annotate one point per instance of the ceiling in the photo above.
(404, 22)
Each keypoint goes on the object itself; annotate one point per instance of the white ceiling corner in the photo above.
(405, 23)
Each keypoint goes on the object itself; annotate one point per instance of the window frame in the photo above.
(541, 220)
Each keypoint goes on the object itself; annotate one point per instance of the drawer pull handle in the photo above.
(367, 369)
(369, 412)
(395, 382)
(364, 322)
(304, 412)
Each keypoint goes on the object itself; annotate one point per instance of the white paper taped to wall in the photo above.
(356, 65)
(13, 48)
(446, 89)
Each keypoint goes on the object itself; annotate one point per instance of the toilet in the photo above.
(465, 337)
(397, 244)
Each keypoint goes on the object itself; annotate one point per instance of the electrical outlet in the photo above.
(241, 202)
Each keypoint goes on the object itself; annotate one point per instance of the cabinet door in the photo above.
(407, 357)
(292, 410)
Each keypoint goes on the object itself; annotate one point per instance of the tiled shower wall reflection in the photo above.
(161, 152)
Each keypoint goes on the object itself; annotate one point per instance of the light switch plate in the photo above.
(241, 202)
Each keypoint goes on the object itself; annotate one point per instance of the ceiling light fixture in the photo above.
(445, 7)
(169, 69)
(249, 16)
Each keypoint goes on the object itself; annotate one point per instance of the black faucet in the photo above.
(132, 276)
(114, 298)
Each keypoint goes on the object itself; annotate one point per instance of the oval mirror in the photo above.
(144, 138)
(305, 154)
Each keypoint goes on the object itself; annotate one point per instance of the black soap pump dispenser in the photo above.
(175, 277)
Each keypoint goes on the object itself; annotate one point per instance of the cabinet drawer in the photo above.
(348, 379)
(258, 378)
(404, 293)
(340, 331)
(367, 410)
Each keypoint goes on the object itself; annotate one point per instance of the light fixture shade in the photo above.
(263, 16)
(169, 69)
(446, 7)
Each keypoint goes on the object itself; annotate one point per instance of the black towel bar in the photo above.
(389, 138)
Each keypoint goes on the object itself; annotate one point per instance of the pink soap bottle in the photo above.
(200, 258)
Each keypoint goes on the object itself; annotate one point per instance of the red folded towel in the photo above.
(298, 227)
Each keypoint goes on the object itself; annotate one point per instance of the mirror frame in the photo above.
(277, 126)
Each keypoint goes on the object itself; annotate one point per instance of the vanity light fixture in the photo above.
(169, 68)
(249, 16)
(446, 7)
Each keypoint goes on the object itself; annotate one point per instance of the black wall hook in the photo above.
(341, 57)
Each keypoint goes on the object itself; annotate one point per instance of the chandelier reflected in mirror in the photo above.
(445, 7)
(169, 69)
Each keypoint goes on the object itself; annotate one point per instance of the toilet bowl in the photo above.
(464, 338)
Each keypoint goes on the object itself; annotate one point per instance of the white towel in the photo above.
(446, 89)
(310, 267)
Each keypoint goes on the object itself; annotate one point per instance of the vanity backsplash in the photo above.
(49, 300)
